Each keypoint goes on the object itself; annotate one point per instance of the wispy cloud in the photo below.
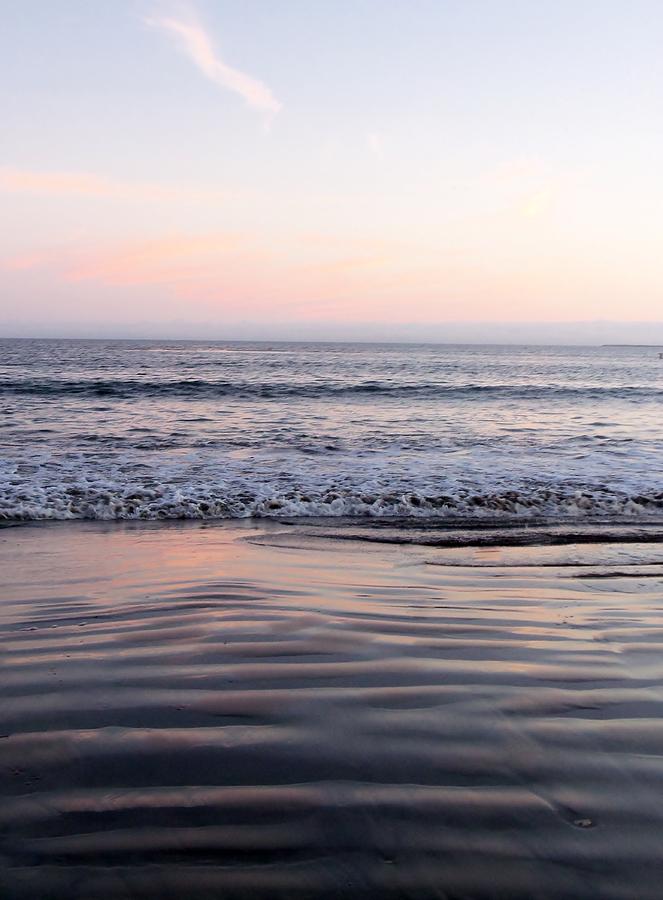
(196, 43)
(87, 184)
(169, 259)
(221, 271)
(162, 259)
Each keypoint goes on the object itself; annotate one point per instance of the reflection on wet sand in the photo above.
(188, 713)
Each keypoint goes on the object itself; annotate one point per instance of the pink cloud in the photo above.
(194, 41)
(26, 261)
(25, 181)
(304, 274)
(170, 259)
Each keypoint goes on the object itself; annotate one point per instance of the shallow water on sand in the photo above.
(196, 711)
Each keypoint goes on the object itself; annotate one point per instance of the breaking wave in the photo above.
(102, 501)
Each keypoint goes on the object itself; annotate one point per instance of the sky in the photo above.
(332, 169)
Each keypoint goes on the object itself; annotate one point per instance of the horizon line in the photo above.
(281, 340)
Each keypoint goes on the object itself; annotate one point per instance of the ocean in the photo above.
(96, 429)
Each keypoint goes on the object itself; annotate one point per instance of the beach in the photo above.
(257, 709)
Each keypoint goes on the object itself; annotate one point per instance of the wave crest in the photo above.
(194, 502)
(204, 389)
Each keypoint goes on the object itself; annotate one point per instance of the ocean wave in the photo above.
(205, 389)
(194, 501)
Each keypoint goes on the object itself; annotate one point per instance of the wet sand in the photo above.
(231, 711)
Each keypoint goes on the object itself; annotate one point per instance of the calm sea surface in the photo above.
(138, 429)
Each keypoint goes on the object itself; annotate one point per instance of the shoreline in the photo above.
(443, 532)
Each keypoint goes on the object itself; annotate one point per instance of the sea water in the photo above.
(167, 429)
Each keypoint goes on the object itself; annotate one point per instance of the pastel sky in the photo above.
(331, 168)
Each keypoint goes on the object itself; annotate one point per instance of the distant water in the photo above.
(138, 429)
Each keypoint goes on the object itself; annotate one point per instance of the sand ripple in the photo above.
(188, 716)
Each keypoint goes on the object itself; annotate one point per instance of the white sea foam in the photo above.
(202, 485)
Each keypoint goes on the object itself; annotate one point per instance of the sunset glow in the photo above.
(414, 163)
